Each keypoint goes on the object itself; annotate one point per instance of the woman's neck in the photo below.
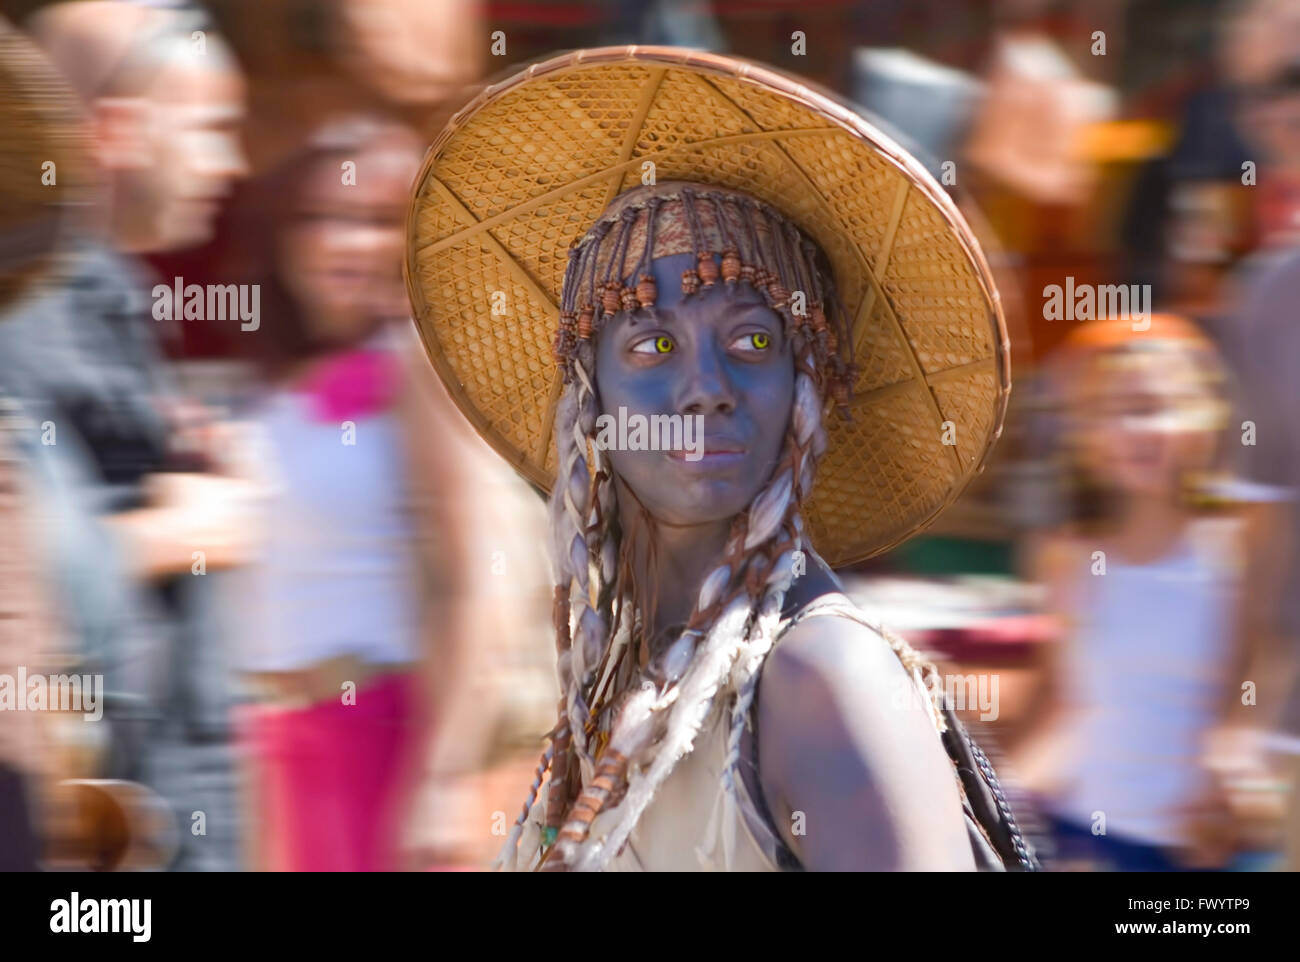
(685, 556)
(1150, 527)
(669, 564)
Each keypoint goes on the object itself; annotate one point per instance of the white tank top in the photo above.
(1144, 674)
(335, 573)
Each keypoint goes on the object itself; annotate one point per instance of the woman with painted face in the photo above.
(751, 255)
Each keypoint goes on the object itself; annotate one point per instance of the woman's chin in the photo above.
(682, 492)
(703, 502)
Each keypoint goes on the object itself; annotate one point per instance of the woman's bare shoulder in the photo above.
(836, 651)
(847, 739)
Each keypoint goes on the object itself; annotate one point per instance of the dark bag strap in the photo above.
(987, 801)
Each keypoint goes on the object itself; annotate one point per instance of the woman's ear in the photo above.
(121, 130)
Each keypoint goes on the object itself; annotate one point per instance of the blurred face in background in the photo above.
(190, 149)
(412, 51)
(341, 254)
(1274, 120)
(1258, 53)
(164, 101)
(1256, 37)
(1148, 420)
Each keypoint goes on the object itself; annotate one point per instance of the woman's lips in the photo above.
(712, 456)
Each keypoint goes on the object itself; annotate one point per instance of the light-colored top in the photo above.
(1144, 673)
(692, 824)
(336, 569)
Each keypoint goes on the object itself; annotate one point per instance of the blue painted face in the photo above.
(725, 360)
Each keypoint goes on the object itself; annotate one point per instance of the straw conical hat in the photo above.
(531, 162)
(43, 164)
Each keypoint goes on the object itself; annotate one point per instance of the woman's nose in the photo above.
(707, 388)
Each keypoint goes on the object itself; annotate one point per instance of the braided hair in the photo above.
(621, 729)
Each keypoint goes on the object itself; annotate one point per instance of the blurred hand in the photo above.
(1256, 793)
(210, 513)
(1210, 825)
(1237, 809)
(190, 513)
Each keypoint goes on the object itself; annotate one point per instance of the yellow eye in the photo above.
(758, 341)
(663, 344)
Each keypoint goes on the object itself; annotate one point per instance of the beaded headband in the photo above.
(735, 237)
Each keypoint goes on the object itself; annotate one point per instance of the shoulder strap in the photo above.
(990, 821)
(919, 667)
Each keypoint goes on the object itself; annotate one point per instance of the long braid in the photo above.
(567, 494)
(558, 754)
(573, 508)
(511, 845)
(581, 511)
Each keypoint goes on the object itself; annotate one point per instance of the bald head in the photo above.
(108, 48)
(164, 100)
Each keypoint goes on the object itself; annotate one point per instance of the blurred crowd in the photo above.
(232, 486)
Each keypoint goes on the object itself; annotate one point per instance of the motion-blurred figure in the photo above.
(1262, 340)
(40, 124)
(359, 617)
(1147, 739)
(27, 636)
(162, 99)
(1267, 341)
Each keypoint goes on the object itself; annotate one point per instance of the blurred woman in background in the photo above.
(1147, 738)
(355, 609)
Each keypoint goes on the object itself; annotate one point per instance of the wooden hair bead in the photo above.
(646, 291)
(818, 317)
(690, 281)
(584, 322)
(730, 266)
(609, 300)
(628, 298)
(748, 274)
(564, 336)
(708, 270)
(780, 293)
(794, 325)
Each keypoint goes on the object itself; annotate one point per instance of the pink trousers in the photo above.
(332, 780)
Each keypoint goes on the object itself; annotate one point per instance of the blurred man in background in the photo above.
(139, 517)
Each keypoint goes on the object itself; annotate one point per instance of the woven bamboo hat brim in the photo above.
(531, 162)
(44, 166)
